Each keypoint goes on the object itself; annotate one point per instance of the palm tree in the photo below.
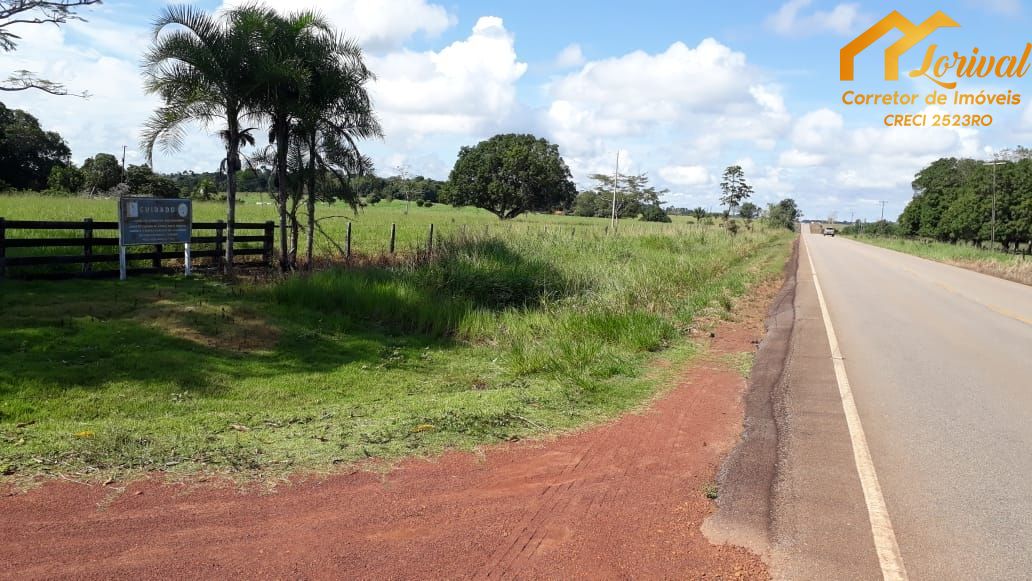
(334, 113)
(285, 81)
(331, 163)
(244, 139)
(204, 68)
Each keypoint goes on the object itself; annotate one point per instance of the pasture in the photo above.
(513, 330)
(371, 226)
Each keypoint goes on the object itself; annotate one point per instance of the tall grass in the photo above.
(586, 307)
(541, 324)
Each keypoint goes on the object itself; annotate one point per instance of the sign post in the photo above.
(146, 221)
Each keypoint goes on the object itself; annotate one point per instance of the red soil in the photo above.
(622, 500)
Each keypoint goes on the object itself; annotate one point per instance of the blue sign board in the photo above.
(154, 221)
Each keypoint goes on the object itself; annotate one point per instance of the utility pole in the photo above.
(124, 147)
(883, 202)
(616, 186)
(992, 230)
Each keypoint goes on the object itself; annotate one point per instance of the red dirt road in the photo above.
(622, 500)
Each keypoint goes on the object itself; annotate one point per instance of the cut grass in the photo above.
(1008, 266)
(522, 331)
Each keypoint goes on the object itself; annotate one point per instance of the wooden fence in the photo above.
(93, 250)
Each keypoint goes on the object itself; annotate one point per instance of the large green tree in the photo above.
(749, 211)
(954, 200)
(510, 174)
(205, 68)
(784, 214)
(634, 195)
(966, 218)
(67, 179)
(28, 153)
(101, 172)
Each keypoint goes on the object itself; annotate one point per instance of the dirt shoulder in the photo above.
(623, 500)
(747, 477)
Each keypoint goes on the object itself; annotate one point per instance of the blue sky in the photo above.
(681, 91)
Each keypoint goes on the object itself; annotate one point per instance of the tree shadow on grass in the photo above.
(429, 300)
(200, 336)
(66, 337)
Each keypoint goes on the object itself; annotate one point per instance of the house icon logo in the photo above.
(912, 34)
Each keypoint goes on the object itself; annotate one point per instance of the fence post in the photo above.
(156, 261)
(347, 243)
(394, 233)
(430, 242)
(3, 249)
(220, 239)
(87, 245)
(267, 244)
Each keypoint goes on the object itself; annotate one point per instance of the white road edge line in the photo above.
(881, 526)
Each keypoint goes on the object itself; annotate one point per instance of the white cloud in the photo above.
(706, 96)
(571, 56)
(642, 87)
(831, 165)
(465, 88)
(378, 25)
(747, 164)
(789, 20)
(686, 175)
(796, 158)
(817, 129)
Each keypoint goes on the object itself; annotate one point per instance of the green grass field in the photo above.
(533, 327)
(371, 226)
(1009, 266)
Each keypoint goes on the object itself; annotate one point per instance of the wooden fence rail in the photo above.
(89, 242)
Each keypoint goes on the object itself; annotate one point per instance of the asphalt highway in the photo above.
(939, 363)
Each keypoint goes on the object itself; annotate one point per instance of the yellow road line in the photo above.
(994, 308)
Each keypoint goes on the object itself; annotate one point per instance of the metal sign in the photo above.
(154, 221)
(143, 221)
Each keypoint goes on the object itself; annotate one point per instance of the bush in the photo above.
(68, 179)
(654, 214)
(419, 203)
(428, 204)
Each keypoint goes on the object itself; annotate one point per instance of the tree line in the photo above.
(628, 196)
(954, 201)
